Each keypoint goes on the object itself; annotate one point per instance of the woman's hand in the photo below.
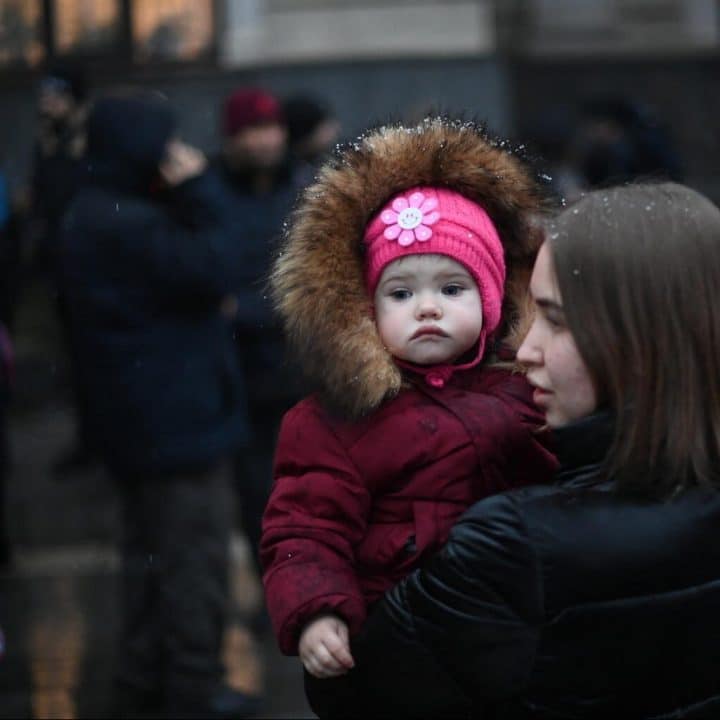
(324, 647)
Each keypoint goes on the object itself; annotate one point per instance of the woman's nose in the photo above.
(529, 352)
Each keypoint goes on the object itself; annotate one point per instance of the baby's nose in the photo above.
(429, 309)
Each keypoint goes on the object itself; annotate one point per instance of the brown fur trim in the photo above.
(317, 280)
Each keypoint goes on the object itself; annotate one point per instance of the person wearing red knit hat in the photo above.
(254, 168)
(255, 136)
(401, 285)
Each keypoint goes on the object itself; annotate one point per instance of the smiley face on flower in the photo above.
(410, 219)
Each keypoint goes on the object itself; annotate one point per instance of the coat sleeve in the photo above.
(315, 517)
(193, 250)
(475, 608)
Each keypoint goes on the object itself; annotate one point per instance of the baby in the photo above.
(416, 419)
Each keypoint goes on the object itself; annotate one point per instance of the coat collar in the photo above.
(581, 449)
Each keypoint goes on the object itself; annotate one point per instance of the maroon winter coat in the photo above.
(357, 505)
(360, 501)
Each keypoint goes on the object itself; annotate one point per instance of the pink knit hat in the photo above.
(434, 220)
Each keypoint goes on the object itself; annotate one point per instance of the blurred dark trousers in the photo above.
(4, 472)
(175, 572)
(84, 441)
(272, 389)
(253, 473)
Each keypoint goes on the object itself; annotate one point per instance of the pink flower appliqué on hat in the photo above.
(409, 219)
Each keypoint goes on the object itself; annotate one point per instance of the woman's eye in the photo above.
(452, 289)
(400, 294)
(554, 322)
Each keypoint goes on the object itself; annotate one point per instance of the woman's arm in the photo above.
(474, 610)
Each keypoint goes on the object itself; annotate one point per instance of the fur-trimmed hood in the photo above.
(318, 282)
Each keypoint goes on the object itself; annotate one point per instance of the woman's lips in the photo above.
(540, 395)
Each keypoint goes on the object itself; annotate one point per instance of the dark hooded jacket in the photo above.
(258, 220)
(145, 270)
(565, 601)
(58, 161)
(371, 473)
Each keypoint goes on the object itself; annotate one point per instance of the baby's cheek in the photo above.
(387, 325)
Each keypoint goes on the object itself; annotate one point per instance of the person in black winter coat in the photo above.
(58, 156)
(58, 171)
(256, 172)
(596, 597)
(313, 130)
(148, 259)
(618, 140)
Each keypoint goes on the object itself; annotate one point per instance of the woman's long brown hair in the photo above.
(638, 268)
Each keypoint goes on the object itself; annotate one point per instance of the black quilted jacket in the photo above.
(557, 602)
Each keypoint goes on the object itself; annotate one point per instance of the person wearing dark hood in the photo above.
(59, 154)
(8, 269)
(254, 166)
(148, 258)
(313, 129)
(57, 173)
(620, 140)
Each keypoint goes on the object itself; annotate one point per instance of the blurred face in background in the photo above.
(563, 387)
(261, 147)
(320, 141)
(54, 100)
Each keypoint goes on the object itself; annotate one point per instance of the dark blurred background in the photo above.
(525, 66)
(590, 91)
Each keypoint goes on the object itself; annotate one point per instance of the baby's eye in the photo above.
(452, 289)
(400, 294)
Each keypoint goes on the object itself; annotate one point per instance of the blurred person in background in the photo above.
(58, 162)
(617, 140)
(13, 215)
(148, 256)
(548, 137)
(255, 168)
(6, 362)
(57, 173)
(7, 367)
(313, 130)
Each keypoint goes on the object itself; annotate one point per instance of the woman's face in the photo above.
(563, 388)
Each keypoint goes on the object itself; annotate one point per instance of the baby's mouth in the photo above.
(428, 330)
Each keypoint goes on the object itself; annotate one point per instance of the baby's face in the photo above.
(428, 309)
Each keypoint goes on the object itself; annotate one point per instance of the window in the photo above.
(21, 32)
(113, 32)
(172, 29)
(86, 26)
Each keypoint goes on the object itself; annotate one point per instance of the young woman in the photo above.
(596, 597)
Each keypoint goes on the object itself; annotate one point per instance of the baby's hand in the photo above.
(325, 647)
